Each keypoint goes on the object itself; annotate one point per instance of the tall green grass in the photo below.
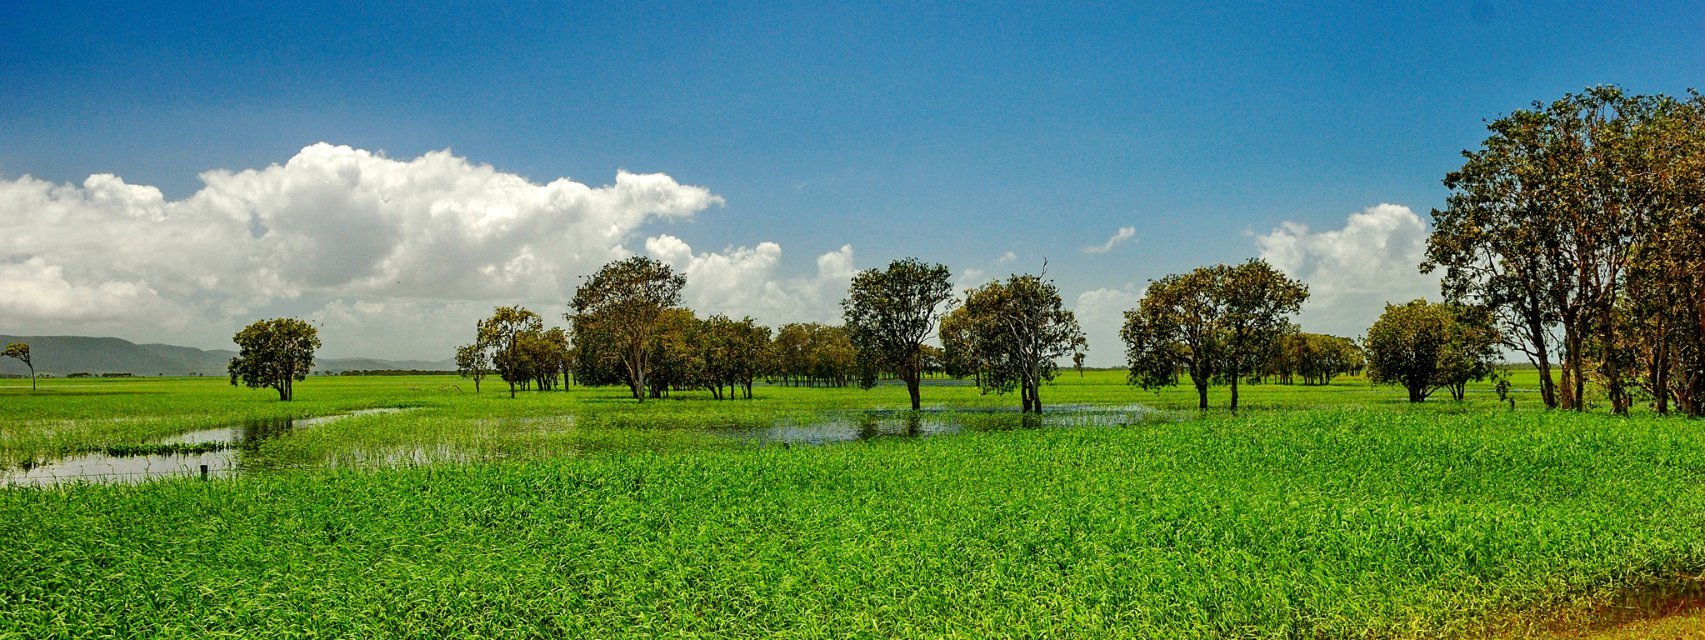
(1309, 523)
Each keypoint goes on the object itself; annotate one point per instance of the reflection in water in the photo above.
(868, 425)
(107, 468)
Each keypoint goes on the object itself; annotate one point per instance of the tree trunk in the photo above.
(1201, 395)
(1234, 376)
(912, 389)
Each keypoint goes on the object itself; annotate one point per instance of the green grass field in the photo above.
(1337, 511)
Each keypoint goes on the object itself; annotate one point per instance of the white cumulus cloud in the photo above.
(353, 238)
(744, 281)
(1101, 313)
(1354, 270)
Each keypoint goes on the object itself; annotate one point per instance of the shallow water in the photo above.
(108, 468)
(853, 426)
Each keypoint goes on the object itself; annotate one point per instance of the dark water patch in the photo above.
(218, 451)
(853, 426)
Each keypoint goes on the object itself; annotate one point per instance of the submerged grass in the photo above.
(1311, 523)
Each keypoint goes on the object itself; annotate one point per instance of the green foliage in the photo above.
(1426, 347)
(1315, 358)
(20, 352)
(275, 353)
(813, 354)
(1018, 329)
(617, 312)
(1581, 216)
(506, 335)
(889, 313)
(1217, 323)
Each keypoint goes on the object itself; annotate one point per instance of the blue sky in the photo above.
(953, 132)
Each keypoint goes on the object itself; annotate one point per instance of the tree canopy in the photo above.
(622, 304)
(890, 312)
(1019, 329)
(274, 353)
(1216, 323)
(21, 352)
(1425, 346)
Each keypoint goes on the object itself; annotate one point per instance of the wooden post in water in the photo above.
(204, 472)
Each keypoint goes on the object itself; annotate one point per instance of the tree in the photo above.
(959, 346)
(21, 351)
(1425, 347)
(1176, 328)
(274, 353)
(1022, 328)
(889, 313)
(505, 335)
(472, 361)
(623, 302)
(1256, 302)
(1540, 229)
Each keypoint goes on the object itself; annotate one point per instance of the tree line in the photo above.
(1575, 236)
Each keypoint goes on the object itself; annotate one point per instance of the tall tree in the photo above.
(21, 351)
(275, 353)
(1256, 302)
(1023, 329)
(505, 334)
(889, 313)
(623, 302)
(1540, 227)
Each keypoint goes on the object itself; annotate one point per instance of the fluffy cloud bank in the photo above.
(1354, 270)
(382, 251)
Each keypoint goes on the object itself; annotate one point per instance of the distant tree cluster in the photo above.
(1314, 358)
(1580, 227)
(812, 354)
(514, 344)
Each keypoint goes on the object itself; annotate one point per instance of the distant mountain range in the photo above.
(61, 355)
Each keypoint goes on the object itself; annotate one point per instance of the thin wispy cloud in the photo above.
(1119, 237)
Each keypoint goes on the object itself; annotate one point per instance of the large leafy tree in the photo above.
(21, 352)
(275, 353)
(1424, 347)
(1664, 312)
(1021, 329)
(623, 303)
(1541, 227)
(890, 313)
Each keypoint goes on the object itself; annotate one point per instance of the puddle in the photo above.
(928, 422)
(219, 462)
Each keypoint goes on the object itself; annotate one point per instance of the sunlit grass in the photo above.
(1319, 512)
